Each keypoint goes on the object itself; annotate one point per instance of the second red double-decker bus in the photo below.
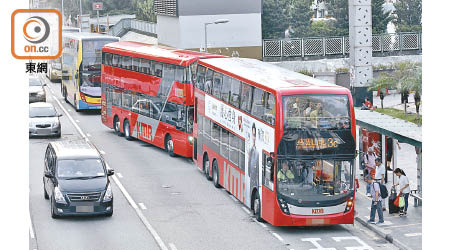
(281, 142)
(147, 93)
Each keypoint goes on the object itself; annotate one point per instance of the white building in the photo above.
(181, 24)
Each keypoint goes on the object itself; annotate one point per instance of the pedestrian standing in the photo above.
(369, 162)
(376, 201)
(380, 170)
(403, 185)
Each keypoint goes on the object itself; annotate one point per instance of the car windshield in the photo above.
(42, 112)
(314, 180)
(34, 82)
(316, 111)
(80, 168)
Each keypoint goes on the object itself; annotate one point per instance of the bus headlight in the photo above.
(190, 139)
(349, 205)
(283, 205)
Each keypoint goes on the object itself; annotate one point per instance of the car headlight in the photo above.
(59, 197)
(108, 194)
(55, 124)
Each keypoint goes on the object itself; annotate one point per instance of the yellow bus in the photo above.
(54, 65)
(81, 69)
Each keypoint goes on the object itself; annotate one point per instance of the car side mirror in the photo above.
(48, 174)
(110, 172)
(59, 114)
(44, 84)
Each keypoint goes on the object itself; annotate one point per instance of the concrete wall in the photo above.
(218, 7)
(168, 29)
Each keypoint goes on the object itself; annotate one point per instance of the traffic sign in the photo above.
(97, 6)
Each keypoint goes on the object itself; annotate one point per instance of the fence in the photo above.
(326, 46)
(127, 24)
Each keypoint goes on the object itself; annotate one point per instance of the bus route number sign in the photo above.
(316, 143)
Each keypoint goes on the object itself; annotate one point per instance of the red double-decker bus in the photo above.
(281, 142)
(147, 93)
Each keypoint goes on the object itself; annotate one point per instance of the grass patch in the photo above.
(400, 114)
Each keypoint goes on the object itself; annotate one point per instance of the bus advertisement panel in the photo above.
(281, 142)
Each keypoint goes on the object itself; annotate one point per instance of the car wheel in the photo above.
(257, 208)
(52, 209)
(126, 130)
(206, 167)
(45, 193)
(117, 126)
(169, 146)
(215, 173)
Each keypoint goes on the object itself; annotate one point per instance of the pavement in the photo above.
(403, 232)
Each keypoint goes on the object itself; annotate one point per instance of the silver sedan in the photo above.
(36, 90)
(44, 120)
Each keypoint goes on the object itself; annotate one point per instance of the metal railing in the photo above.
(327, 46)
(127, 24)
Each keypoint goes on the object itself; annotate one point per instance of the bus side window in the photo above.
(158, 69)
(246, 95)
(179, 74)
(201, 77)
(144, 66)
(235, 92)
(217, 84)
(135, 64)
(269, 109)
(209, 80)
(225, 91)
(258, 103)
(115, 60)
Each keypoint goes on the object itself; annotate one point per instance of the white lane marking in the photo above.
(172, 246)
(278, 237)
(130, 200)
(102, 152)
(315, 242)
(120, 175)
(362, 246)
(30, 225)
(261, 224)
(233, 198)
(77, 120)
(246, 210)
(88, 134)
(142, 206)
(413, 234)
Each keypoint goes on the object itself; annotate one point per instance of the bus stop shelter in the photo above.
(399, 130)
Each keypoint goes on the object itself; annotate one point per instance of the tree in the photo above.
(322, 28)
(145, 11)
(408, 15)
(300, 14)
(339, 10)
(275, 18)
(406, 77)
(380, 18)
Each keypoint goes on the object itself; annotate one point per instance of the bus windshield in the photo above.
(314, 182)
(90, 76)
(316, 111)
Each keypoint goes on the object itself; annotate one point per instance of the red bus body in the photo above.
(218, 113)
(136, 72)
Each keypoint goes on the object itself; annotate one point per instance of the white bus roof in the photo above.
(263, 73)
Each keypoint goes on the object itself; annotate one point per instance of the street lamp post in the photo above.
(219, 21)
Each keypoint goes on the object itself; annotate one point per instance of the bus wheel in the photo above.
(117, 125)
(126, 130)
(257, 207)
(64, 92)
(206, 166)
(75, 104)
(215, 174)
(169, 145)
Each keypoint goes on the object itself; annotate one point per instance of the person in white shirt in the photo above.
(380, 170)
(369, 161)
(403, 185)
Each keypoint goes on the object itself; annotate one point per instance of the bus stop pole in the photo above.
(98, 23)
(394, 158)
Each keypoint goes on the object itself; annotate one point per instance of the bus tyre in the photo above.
(215, 173)
(116, 124)
(206, 167)
(64, 93)
(257, 208)
(75, 104)
(126, 130)
(169, 146)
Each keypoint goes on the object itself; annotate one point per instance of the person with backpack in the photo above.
(369, 162)
(376, 201)
(379, 177)
(403, 185)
